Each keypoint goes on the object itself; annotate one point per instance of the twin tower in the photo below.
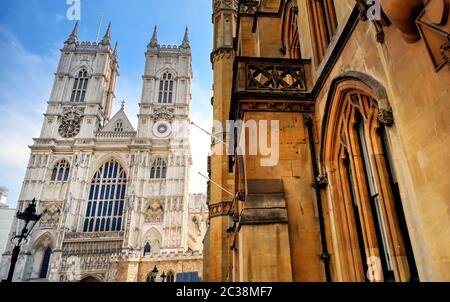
(115, 199)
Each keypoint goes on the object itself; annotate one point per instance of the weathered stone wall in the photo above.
(419, 98)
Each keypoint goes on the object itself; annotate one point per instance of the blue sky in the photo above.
(33, 31)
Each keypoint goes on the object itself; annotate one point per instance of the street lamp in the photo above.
(163, 277)
(29, 217)
(154, 274)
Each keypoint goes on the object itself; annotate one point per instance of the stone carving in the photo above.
(363, 9)
(279, 106)
(220, 209)
(82, 236)
(50, 217)
(163, 114)
(154, 213)
(249, 6)
(386, 117)
(321, 181)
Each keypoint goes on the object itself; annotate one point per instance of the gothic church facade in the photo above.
(114, 199)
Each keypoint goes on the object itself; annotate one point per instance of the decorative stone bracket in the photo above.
(386, 116)
(379, 24)
(321, 182)
(249, 6)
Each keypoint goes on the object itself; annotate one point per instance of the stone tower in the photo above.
(224, 20)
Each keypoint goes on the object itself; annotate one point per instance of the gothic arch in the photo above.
(350, 80)
(166, 69)
(60, 165)
(158, 169)
(75, 70)
(38, 251)
(106, 158)
(58, 159)
(366, 220)
(90, 279)
(290, 31)
(106, 201)
(154, 238)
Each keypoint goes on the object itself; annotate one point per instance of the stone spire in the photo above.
(116, 50)
(107, 38)
(73, 38)
(154, 41)
(186, 43)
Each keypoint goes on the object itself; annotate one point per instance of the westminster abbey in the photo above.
(114, 200)
(348, 184)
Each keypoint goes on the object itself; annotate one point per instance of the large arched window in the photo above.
(166, 88)
(45, 263)
(106, 202)
(61, 172)
(365, 192)
(159, 169)
(80, 87)
(323, 25)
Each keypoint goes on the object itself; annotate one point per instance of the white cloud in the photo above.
(200, 141)
(25, 84)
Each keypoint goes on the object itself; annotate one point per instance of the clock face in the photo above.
(162, 129)
(70, 125)
(69, 129)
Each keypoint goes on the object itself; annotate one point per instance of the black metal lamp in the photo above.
(154, 274)
(163, 277)
(27, 221)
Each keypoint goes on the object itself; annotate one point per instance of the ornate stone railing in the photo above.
(106, 135)
(273, 77)
(224, 4)
(273, 83)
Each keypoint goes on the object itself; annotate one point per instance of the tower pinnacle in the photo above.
(154, 40)
(107, 38)
(186, 43)
(73, 38)
(116, 50)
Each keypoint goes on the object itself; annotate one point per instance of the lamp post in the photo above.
(154, 274)
(28, 216)
(163, 277)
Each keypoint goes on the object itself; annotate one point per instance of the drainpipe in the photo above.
(319, 184)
